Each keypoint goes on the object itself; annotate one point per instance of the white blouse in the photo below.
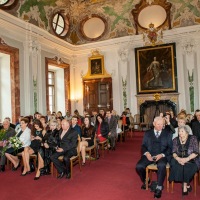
(25, 137)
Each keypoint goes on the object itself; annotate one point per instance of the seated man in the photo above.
(156, 147)
(67, 148)
(112, 122)
(10, 132)
(75, 125)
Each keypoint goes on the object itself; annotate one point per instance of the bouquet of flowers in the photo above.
(13, 142)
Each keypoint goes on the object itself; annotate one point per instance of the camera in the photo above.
(154, 159)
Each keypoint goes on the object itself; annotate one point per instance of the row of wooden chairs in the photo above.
(153, 167)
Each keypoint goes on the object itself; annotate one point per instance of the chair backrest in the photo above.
(131, 119)
(136, 118)
(119, 123)
(146, 118)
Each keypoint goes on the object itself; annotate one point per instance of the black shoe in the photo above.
(68, 176)
(61, 175)
(36, 178)
(23, 174)
(157, 193)
(190, 188)
(2, 168)
(15, 168)
(143, 187)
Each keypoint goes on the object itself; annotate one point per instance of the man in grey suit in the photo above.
(10, 132)
(112, 122)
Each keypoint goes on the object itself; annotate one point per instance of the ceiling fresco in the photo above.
(117, 13)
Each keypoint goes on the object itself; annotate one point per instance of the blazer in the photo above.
(112, 124)
(196, 129)
(166, 143)
(25, 137)
(69, 140)
(104, 129)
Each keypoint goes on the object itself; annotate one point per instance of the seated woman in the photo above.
(185, 161)
(36, 139)
(24, 134)
(102, 129)
(50, 142)
(88, 133)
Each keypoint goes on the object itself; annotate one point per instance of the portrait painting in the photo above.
(156, 69)
(96, 65)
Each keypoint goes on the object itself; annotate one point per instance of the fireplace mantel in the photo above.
(141, 98)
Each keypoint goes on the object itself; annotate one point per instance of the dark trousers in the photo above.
(65, 165)
(144, 162)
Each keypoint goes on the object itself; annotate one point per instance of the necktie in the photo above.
(157, 134)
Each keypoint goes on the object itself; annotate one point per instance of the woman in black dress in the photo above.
(36, 139)
(88, 133)
(185, 161)
(49, 144)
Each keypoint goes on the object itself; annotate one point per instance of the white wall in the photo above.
(5, 87)
(40, 44)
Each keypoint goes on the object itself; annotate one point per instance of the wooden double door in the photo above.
(97, 94)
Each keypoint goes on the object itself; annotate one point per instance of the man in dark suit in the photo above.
(67, 148)
(75, 125)
(196, 125)
(112, 122)
(156, 147)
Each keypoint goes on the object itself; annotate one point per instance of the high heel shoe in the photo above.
(23, 174)
(36, 178)
(189, 189)
(184, 193)
(15, 168)
(83, 163)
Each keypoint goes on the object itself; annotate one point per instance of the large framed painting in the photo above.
(156, 69)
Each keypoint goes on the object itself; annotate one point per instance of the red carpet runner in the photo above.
(112, 177)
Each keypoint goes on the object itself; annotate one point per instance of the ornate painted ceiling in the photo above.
(117, 13)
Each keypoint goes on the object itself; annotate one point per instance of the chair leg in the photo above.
(71, 167)
(167, 169)
(195, 184)
(172, 187)
(147, 176)
(90, 157)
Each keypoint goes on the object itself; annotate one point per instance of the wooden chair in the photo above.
(136, 122)
(103, 146)
(153, 167)
(131, 126)
(92, 150)
(121, 134)
(73, 161)
(33, 157)
(194, 186)
(145, 122)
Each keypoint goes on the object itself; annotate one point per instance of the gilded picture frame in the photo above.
(96, 65)
(156, 70)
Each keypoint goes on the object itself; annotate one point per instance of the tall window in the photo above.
(51, 88)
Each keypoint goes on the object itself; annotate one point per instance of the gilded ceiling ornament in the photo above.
(152, 36)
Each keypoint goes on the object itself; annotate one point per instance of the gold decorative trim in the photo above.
(96, 67)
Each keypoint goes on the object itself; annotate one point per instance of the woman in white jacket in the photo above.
(24, 134)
